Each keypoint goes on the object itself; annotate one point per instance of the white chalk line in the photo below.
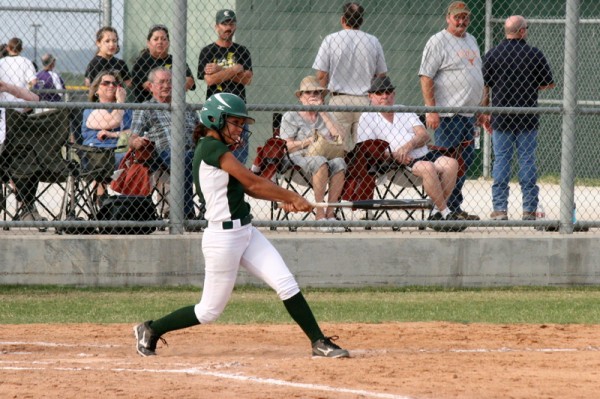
(237, 377)
(353, 352)
(267, 381)
(55, 344)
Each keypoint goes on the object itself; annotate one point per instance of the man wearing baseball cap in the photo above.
(451, 76)
(226, 67)
(407, 139)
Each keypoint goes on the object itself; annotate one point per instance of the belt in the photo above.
(337, 93)
(231, 224)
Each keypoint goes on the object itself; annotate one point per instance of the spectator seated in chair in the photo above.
(104, 128)
(408, 138)
(155, 125)
(301, 130)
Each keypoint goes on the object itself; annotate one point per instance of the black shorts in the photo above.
(431, 156)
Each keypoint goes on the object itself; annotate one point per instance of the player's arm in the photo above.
(261, 188)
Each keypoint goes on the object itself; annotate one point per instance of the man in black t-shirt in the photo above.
(226, 67)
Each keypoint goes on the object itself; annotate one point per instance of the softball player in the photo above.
(230, 240)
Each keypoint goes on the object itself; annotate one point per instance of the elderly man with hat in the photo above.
(226, 67)
(408, 138)
(451, 76)
(300, 130)
(48, 79)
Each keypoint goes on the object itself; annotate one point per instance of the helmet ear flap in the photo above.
(221, 121)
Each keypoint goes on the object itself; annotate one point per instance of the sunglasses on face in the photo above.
(381, 93)
(110, 83)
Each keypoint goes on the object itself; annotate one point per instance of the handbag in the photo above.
(325, 148)
(133, 173)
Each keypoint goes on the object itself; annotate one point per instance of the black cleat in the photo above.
(326, 348)
(146, 339)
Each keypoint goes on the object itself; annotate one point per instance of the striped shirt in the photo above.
(155, 125)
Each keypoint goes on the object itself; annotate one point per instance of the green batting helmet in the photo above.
(220, 105)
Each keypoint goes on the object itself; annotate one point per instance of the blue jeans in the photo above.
(504, 144)
(164, 160)
(452, 131)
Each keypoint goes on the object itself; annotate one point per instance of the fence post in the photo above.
(567, 167)
(178, 45)
(106, 12)
(487, 138)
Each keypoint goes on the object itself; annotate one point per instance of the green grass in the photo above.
(28, 304)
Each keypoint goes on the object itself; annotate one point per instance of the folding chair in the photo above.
(371, 175)
(273, 162)
(5, 188)
(161, 191)
(34, 153)
(91, 166)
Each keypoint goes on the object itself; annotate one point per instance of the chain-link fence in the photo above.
(338, 136)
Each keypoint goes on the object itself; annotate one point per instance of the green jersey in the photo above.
(222, 194)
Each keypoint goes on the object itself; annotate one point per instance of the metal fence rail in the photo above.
(283, 40)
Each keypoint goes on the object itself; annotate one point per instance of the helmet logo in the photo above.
(219, 98)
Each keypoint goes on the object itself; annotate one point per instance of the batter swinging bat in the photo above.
(377, 204)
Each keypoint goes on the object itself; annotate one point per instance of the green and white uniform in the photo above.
(222, 194)
(230, 241)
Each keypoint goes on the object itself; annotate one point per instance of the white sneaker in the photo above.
(336, 229)
(32, 215)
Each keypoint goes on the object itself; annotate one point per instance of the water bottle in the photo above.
(540, 214)
(477, 137)
(574, 213)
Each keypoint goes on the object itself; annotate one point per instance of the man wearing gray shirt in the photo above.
(451, 76)
(346, 63)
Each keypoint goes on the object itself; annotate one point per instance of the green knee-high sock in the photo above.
(298, 308)
(181, 318)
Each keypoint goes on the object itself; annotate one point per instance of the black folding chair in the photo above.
(34, 159)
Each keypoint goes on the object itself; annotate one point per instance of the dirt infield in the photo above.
(393, 361)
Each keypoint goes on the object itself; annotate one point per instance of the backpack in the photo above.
(127, 207)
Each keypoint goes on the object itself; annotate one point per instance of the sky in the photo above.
(71, 32)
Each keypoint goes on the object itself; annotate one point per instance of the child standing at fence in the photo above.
(107, 40)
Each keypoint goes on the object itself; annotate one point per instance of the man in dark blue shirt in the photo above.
(514, 72)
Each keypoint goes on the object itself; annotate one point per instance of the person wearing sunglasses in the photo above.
(102, 128)
(408, 139)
